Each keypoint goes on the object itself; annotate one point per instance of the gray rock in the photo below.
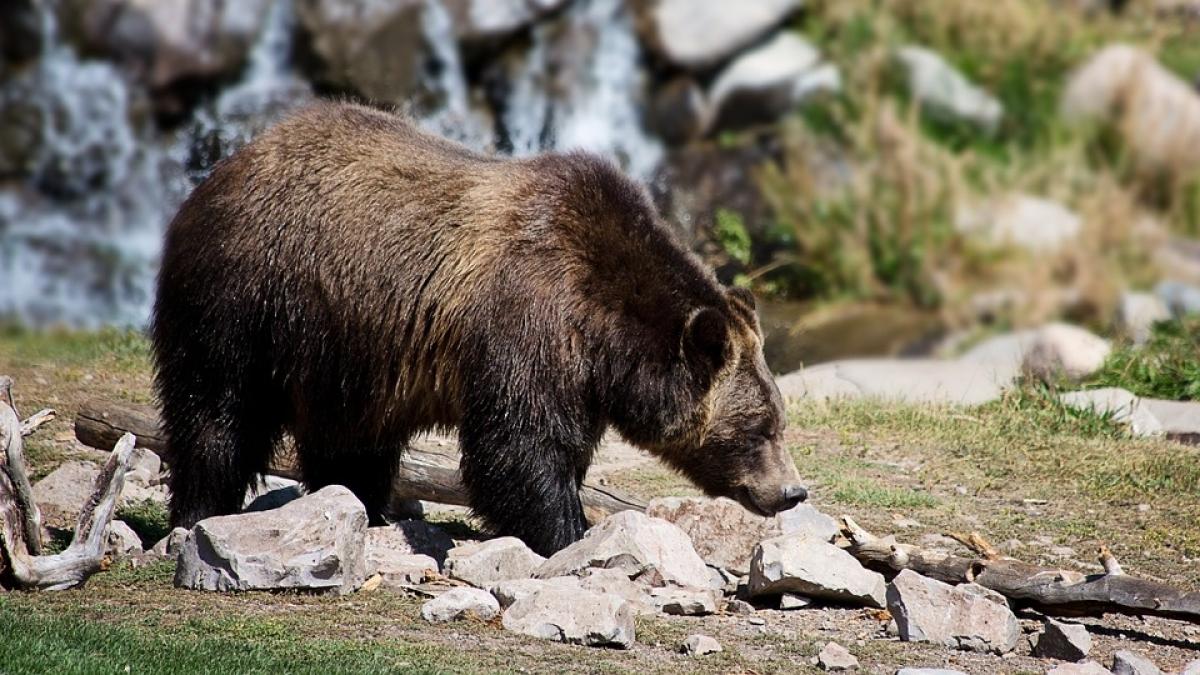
(1180, 298)
(768, 81)
(483, 21)
(805, 519)
(798, 564)
(484, 563)
(1053, 350)
(836, 658)
(1065, 641)
(699, 34)
(64, 491)
(144, 468)
(740, 607)
(903, 380)
(316, 542)
(410, 537)
(789, 601)
(168, 546)
(122, 540)
(1084, 668)
(1138, 312)
(945, 93)
(460, 603)
(1120, 404)
(271, 492)
(637, 544)
(601, 581)
(961, 617)
(1192, 668)
(1128, 663)
(511, 590)
(1177, 420)
(1035, 224)
(928, 671)
(573, 616)
(700, 645)
(398, 570)
(686, 601)
(723, 532)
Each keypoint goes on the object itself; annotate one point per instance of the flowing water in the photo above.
(79, 240)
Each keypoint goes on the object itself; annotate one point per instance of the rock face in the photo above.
(768, 81)
(166, 41)
(700, 645)
(699, 34)
(374, 48)
(315, 542)
(460, 603)
(723, 532)
(961, 617)
(1066, 641)
(487, 562)
(1031, 223)
(573, 616)
(946, 93)
(798, 564)
(409, 537)
(1056, 349)
(635, 543)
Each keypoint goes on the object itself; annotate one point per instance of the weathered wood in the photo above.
(21, 564)
(427, 471)
(1048, 590)
(36, 420)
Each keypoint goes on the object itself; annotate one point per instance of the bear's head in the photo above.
(733, 446)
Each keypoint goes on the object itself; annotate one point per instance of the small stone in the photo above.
(1065, 641)
(793, 601)
(904, 523)
(836, 658)
(740, 607)
(1062, 551)
(460, 603)
(685, 601)
(1128, 663)
(168, 546)
(799, 564)
(756, 621)
(960, 617)
(928, 671)
(485, 563)
(700, 645)
(122, 541)
(573, 616)
(960, 490)
(1143, 508)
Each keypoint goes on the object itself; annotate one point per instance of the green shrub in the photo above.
(1167, 366)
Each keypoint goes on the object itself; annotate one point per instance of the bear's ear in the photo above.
(706, 338)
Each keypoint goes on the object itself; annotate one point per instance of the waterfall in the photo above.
(454, 118)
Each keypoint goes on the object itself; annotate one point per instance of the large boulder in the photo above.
(1051, 351)
(375, 48)
(314, 543)
(699, 34)
(768, 81)
(165, 42)
(64, 491)
(945, 93)
(484, 563)
(723, 532)
(573, 616)
(637, 544)
(817, 569)
(966, 617)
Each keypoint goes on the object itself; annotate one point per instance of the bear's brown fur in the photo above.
(353, 281)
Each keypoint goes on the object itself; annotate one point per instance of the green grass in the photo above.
(123, 349)
(1167, 366)
(147, 518)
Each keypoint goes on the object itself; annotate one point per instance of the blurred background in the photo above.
(889, 176)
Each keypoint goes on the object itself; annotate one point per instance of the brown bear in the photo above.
(353, 281)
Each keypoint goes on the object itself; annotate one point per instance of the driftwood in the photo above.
(427, 471)
(1047, 590)
(21, 562)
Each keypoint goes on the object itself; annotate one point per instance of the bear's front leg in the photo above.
(525, 484)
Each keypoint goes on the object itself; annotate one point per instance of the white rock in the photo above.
(460, 603)
(805, 519)
(1065, 641)
(1035, 224)
(398, 570)
(144, 468)
(789, 601)
(601, 581)
(1138, 312)
(1085, 668)
(64, 491)
(1177, 420)
(1121, 404)
(700, 645)
(486, 20)
(798, 564)
(635, 543)
(836, 658)
(1128, 663)
(1192, 668)
(946, 93)
(701, 33)
(686, 601)
(903, 380)
(122, 540)
(484, 563)
(316, 542)
(768, 81)
(1053, 350)
(573, 616)
(960, 617)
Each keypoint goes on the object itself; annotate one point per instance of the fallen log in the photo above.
(428, 470)
(1048, 590)
(21, 563)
